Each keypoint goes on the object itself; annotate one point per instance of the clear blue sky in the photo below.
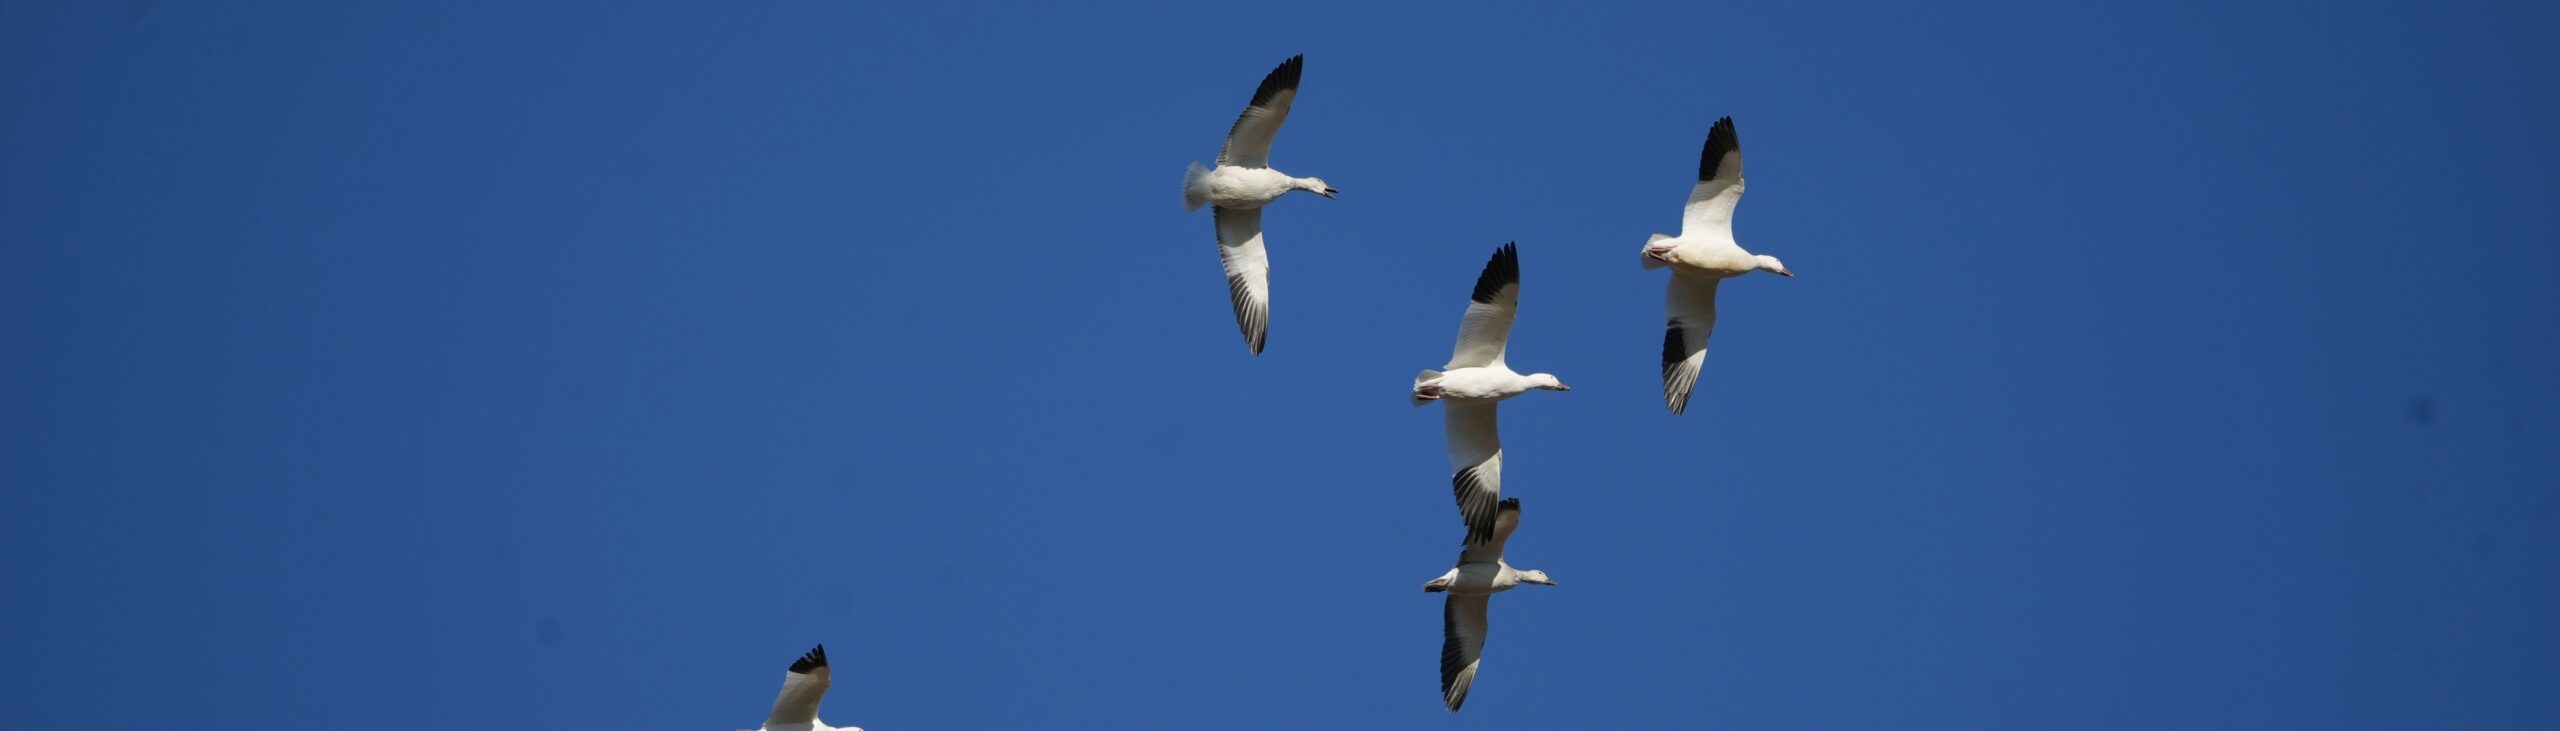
(2157, 366)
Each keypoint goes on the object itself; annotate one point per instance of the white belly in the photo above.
(1235, 187)
(1482, 383)
(1478, 579)
(1714, 259)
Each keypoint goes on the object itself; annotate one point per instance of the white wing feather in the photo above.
(1463, 627)
(1486, 330)
(1691, 303)
(802, 687)
(1475, 459)
(1709, 213)
(1248, 272)
(1249, 142)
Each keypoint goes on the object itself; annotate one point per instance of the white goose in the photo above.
(797, 708)
(1475, 380)
(1480, 574)
(1701, 256)
(1238, 189)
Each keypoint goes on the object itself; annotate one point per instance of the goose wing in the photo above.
(1486, 329)
(1710, 209)
(1692, 305)
(1248, 271)
(1462, 630)
(1249, 142)
(1475, 456)
(1506, 518)
(802, 687)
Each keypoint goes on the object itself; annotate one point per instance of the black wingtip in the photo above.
(1471, 507)
(817, 658)
(1501, 271)
(1675, 355)
(1720, 140)
(1453, 657)
(1283, 78)
(1673, 349)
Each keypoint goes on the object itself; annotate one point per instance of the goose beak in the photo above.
(1328, 192)
(1787, 274)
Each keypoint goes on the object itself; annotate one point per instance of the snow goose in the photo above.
(1701, 256)
(1238, 189)
(797, 708)
(1480, 574)
(1474, 380)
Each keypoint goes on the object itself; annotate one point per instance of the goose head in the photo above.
(1770, 264)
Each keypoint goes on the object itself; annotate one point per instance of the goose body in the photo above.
(1237, 188)
(1481, 384)
(1478, 578)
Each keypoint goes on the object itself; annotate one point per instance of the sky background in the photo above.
(435, 366)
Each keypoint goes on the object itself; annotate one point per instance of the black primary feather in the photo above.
(1720, 140)
(1501, 271)
(1472, 506)
(817, 658)
(1284, 78)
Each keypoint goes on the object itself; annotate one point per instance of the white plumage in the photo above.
(1474, 380)
(1237, 190)
(1479, 575)
(796, 709)
(1701, 256)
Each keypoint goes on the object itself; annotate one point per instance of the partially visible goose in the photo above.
(1480, 574)
(1238, 189)
(1701, 256)
(1473, 381)
(797, 708)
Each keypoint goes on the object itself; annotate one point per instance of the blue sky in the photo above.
(2149, 366)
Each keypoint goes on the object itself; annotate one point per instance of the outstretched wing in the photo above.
(1486, 330)
(802, 687)
(1462, 630)
(1692, 305)
(1249, 142)
(1248, 271)
(1475, 456)
(1506, 518)
(1710, 210)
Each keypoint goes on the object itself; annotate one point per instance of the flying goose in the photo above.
(1238, 189)
(1474, 380)
(797, 708)
(1480, 574)
(1701, 256)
